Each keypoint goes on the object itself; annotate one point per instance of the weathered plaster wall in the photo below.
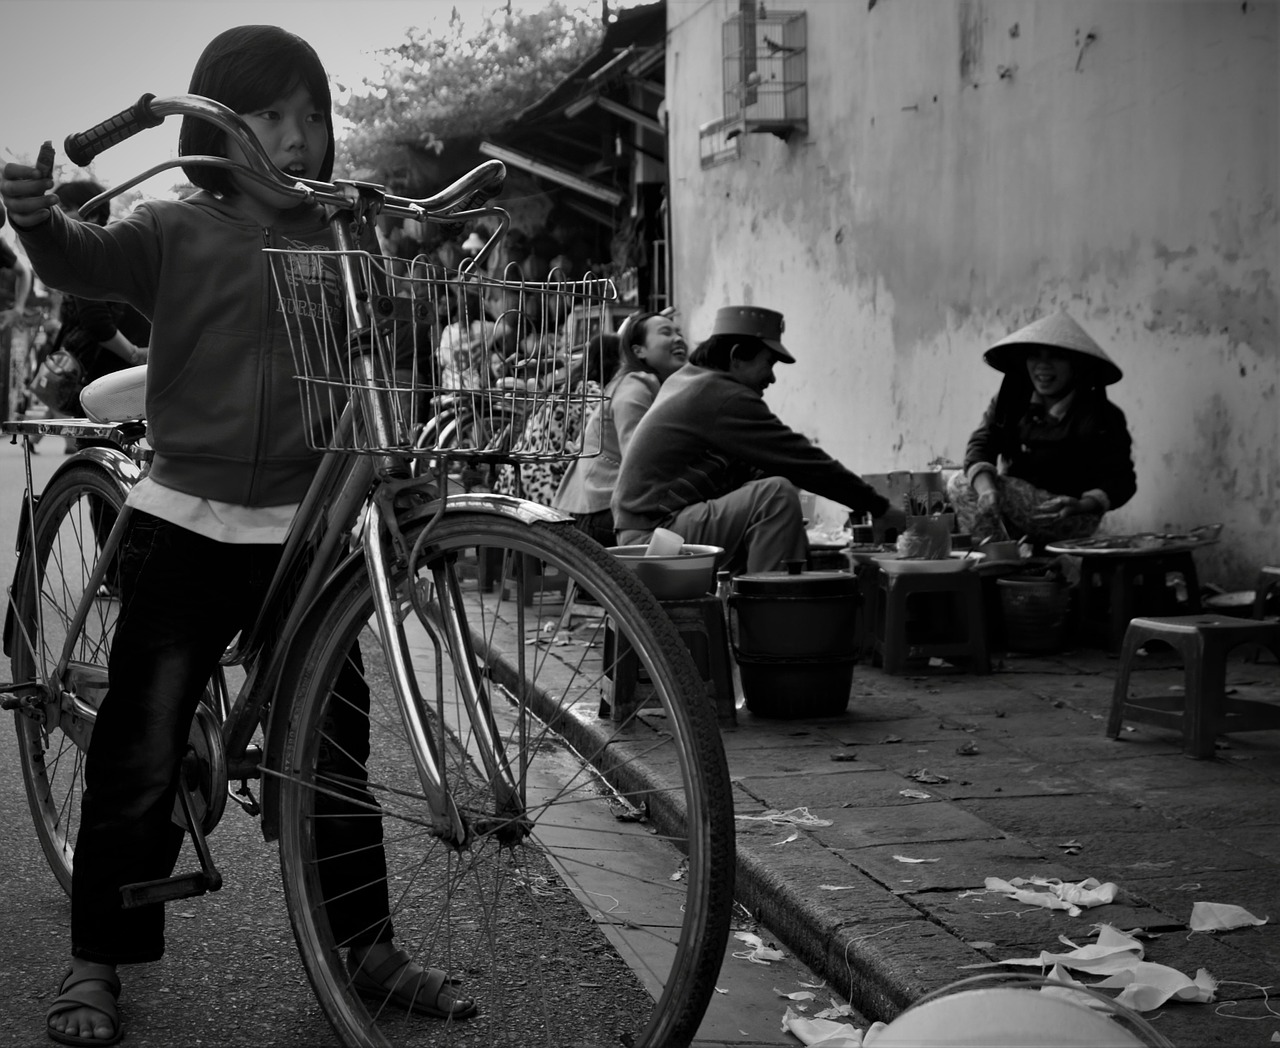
(971, 164)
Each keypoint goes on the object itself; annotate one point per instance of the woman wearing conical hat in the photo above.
(1052, 453)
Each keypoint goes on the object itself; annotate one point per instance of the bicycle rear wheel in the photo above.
(72, 520)
(605, 923)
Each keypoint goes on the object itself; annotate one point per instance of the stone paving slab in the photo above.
(1031, 816)
(1181, 852)
(1007, 929)
(927, 823)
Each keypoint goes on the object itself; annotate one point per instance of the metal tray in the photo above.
(1147, 544)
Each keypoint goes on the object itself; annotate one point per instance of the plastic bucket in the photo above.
(794, 642)
(1034, 611)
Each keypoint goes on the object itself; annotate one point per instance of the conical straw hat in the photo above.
(1059, 331)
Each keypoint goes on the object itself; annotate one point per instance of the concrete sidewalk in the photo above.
(1030, 787)
(1007, 775)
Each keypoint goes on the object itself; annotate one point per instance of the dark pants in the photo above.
(598, 525)
(184, 599)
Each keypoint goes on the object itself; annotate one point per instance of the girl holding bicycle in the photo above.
(230, 465)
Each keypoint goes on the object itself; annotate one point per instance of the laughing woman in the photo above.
(1052, 453)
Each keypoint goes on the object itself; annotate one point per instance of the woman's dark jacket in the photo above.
(1089, 449)
(87, 323)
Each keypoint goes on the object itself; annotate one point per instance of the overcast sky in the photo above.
(65, 65)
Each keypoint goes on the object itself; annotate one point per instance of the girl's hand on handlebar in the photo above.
(26, 195)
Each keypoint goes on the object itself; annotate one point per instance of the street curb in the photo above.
(873, 969)
(865, 959)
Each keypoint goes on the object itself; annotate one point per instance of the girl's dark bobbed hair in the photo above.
(246, 68)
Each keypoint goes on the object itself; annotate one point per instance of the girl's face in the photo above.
(664, 349)
(292, 130)
(1051, 373)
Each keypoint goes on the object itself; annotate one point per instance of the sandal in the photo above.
(73, 994)
(394, 980)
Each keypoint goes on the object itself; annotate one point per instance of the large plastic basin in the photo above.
(688, 574)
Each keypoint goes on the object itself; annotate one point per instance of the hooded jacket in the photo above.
(223, 409)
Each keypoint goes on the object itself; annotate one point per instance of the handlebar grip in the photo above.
(82, 147)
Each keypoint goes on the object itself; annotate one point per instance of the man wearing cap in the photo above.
(712, 463)
(1052, 453)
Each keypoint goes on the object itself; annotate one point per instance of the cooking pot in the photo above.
(793, 639)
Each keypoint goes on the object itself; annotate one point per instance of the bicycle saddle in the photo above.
(117, 397)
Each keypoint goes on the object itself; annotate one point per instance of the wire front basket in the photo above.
(453, 363)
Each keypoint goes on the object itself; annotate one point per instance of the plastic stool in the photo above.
(892, 642)
(541, 581)
(864, 628)
(1117, 587)
(701, 625)
(1267, 588)
(1204, 711)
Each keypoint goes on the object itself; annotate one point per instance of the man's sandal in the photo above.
(73, 994)
(400, 981)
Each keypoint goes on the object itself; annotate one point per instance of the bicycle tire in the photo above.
(506, 917)
(73, 514)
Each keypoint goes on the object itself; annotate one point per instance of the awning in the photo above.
(612, 197)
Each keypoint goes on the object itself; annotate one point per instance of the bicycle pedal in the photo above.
(169, 889)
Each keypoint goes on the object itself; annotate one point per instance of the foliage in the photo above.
(450, 86)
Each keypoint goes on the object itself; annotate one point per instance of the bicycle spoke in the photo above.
(569, 924)
(50, 583)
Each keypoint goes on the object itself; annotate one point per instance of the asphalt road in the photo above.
(231, 977)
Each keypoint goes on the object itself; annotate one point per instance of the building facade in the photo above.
(910, 180)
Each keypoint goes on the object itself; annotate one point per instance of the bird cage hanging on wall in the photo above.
(766, 71)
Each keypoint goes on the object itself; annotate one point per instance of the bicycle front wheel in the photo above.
(72, 521)
(591, 910)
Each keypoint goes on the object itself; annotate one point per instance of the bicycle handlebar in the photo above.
(455, 202)
(81, 148)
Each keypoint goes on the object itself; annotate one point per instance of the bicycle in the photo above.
(510, 813)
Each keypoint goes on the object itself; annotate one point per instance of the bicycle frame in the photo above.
(348, 489)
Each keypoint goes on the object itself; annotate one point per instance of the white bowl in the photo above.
(895, 565)
(688, 574)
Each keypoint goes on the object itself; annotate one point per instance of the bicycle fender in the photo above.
(118, 466)
(286, 664)
(505, 506)
(115, 463)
